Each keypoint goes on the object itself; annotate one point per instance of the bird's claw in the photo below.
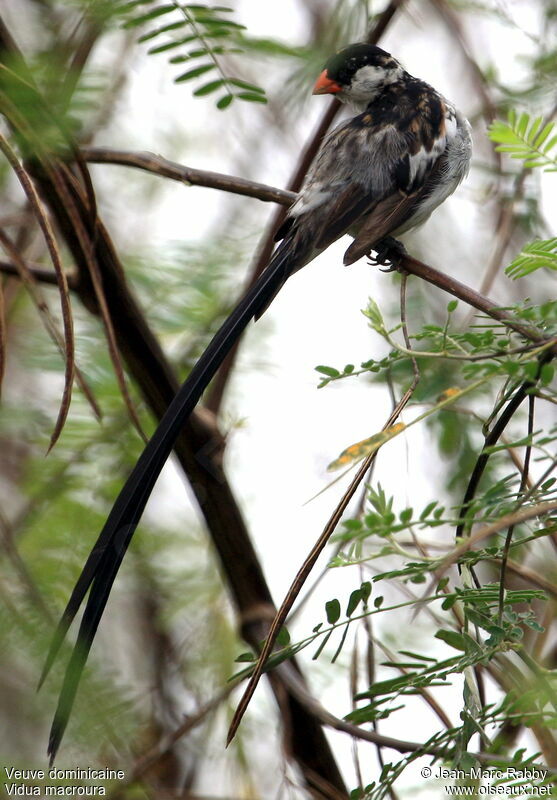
(389, 252)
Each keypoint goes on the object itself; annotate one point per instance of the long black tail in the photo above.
(105, 558)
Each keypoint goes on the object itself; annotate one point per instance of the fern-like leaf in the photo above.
(531, 141)
(201, 34)
(536, 255)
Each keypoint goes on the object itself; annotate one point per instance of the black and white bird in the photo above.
(376, 176)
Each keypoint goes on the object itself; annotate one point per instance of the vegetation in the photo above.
(434, 620)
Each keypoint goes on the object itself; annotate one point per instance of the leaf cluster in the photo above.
(527, 139)
(210, 35)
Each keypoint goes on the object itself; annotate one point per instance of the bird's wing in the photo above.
(368, 179)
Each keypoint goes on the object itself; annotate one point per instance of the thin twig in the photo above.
(400, 745)
(514, 518)
(52, 247)
(50, 324)
(63, 182)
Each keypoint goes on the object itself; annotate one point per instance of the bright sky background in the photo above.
(290, 431)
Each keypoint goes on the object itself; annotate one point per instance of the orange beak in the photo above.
(324, 85)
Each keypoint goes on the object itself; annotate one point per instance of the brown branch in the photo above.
(514, 518)
(68, 188)
(52, 247)
(35, 292)
(529, 575)
(459, 290)
(158, 165)
(400, 745)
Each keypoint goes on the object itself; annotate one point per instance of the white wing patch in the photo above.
(421, 162)
(311, 197)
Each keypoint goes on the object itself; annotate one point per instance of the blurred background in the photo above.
(167, 644)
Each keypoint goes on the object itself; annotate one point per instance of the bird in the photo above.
(377, 175)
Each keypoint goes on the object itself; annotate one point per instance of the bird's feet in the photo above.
(389, 252)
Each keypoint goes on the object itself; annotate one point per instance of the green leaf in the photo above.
(331, 372)
(283, 638)
(162, 48)
(245, 657)
(428, 509)
(332, 609)
(418, 656)
(209, 87)
(163, 29)
(321, 647)
(541, 138)
(341, 645)
(126, 8)
(252, 98)
(156, 12)
(353, 602)
(219, 23)
(225, 101)
(452, 638)
(250, 87)
(194, 73)
(547, 374)
(365, 588)
(449, 602)
(540, 254)
(522, 138)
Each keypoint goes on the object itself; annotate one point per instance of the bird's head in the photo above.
(358, 74)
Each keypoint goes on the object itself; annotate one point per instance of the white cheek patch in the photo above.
(366, 82)
(370, 75)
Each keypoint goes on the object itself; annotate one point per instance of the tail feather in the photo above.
(102, 565)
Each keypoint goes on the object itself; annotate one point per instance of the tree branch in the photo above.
(158, 165)
(459, 290)
(514, 518)
(358, 732)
